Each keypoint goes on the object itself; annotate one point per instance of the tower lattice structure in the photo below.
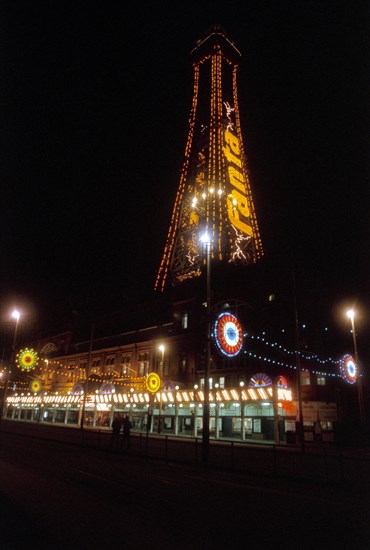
(214, 194)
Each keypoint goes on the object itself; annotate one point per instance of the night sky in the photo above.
(95, 103)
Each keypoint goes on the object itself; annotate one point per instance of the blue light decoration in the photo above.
(168, 385)
(228, 334)
(348, 369)
(282, 383)
(260, 380)
(78, 388)
(107, 388)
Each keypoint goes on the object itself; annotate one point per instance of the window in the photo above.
(143, 364)
(257, 425)
(210, 383)
(305, 378)
(229, 382)
(326, 425)
(271, 297)
(221, 382)
(166, 368)
(185, 320)
(126, 369)
(183, 365)
(321, 381)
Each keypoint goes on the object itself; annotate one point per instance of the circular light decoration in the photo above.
(349, 369)
(282, 382)
(168, 385)
(153, 382)
(260, 380)
(36, 385)
(228, 334)
(107, 388)
(78, 388)
(27, 359)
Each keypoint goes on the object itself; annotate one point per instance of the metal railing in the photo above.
(350, 467)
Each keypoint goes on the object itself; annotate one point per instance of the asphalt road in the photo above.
(59, 496)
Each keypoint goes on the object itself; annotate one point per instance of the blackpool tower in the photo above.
(214, 194)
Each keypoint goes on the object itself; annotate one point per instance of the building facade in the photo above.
(257, 389)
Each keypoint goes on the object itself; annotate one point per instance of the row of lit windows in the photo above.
(306, 377)
(124, 361)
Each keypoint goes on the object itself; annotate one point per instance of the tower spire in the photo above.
(214, 192)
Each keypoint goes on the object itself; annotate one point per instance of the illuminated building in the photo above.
(214, 192)
(253, 391)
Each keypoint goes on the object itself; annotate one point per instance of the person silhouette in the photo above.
(127, 432)
(116, 429)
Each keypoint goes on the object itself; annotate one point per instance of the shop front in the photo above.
(178, 413)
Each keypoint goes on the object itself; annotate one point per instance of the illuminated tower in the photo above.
(214, 193)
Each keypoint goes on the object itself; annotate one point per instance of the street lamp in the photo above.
(161, 348)
(207, 242)
(87, 374)
(351, 314)
(16, 316)
(298, 366)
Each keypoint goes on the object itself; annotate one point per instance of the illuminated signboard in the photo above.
(228, 334)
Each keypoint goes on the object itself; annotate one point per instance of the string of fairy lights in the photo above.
(309, 357)
(28, 361)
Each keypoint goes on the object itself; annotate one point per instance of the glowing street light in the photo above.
(207, 242)
(16, 315)
(351, 314)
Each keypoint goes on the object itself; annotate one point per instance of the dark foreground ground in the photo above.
(55, 495)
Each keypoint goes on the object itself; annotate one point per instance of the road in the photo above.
(59, 496)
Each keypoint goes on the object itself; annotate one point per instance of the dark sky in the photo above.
(95, 102)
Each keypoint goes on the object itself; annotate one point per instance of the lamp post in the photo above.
(206, 240)
(161, 348)
(351, 314)
(16, 316)
(298, 363)
(88, 369)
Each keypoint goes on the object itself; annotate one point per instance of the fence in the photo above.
(317, 464)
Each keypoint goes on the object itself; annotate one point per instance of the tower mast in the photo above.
(214, 192)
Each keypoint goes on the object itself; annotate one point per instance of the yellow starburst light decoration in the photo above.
(153, 382)
(36, 385)
(27, 359)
